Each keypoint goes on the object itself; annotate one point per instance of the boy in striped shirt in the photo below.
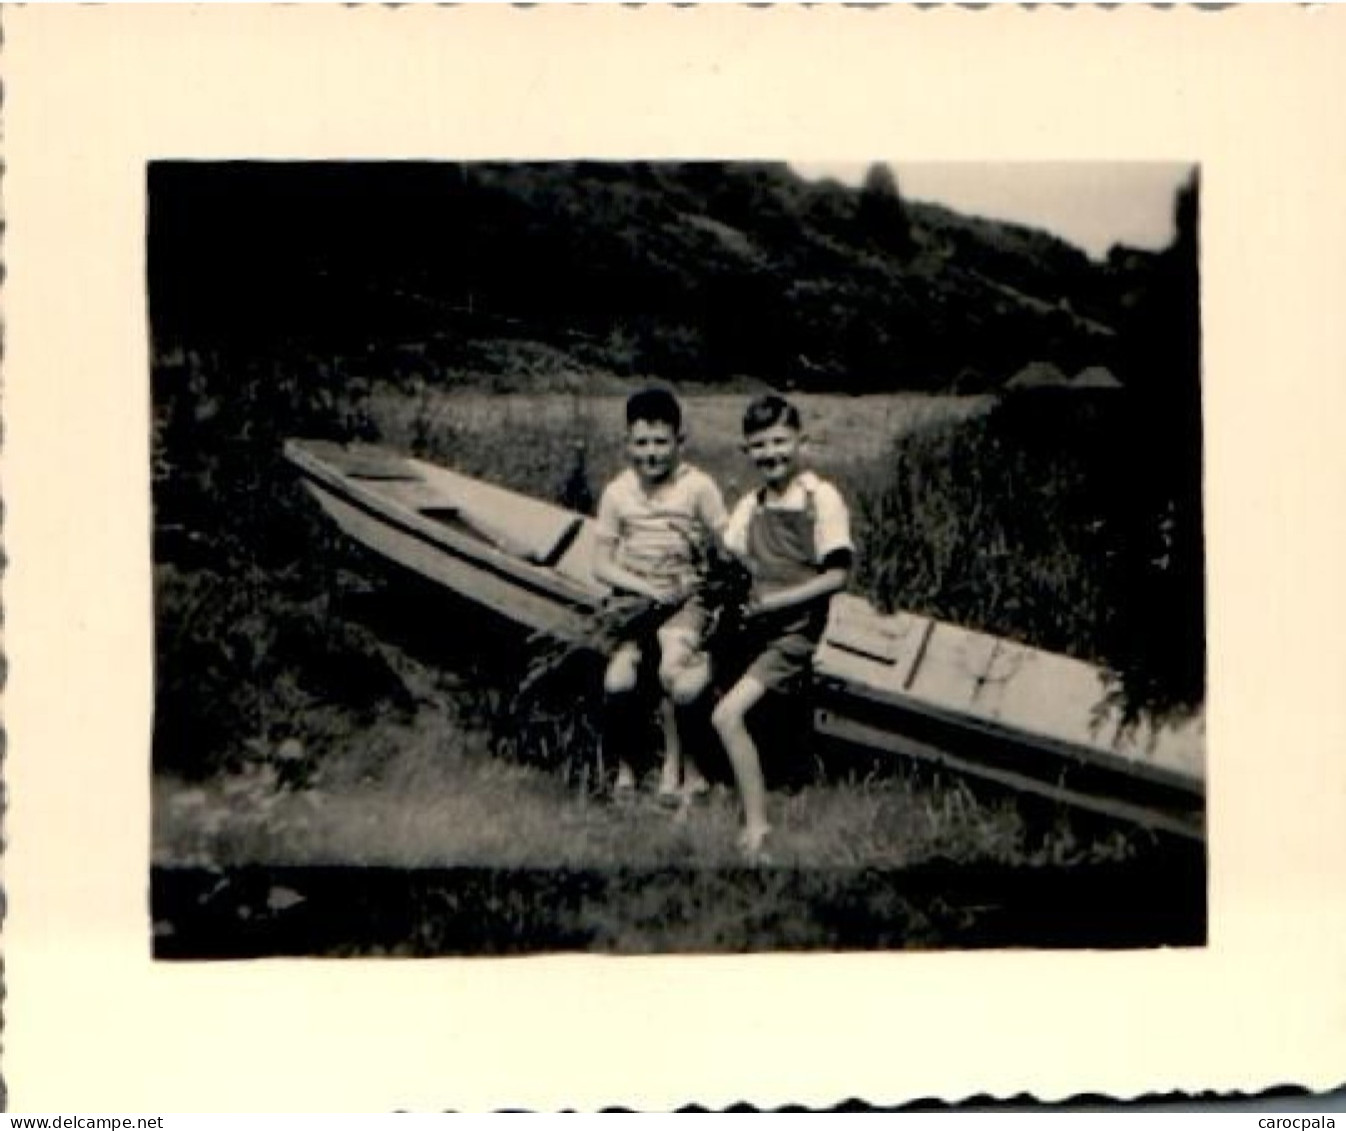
(655, 524)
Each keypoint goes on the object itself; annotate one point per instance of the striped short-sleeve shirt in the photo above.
(662, 534)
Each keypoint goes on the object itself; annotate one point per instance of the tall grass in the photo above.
(1037, 521)
(250, 651)
(977, 524)
(430, 792)
(545, 446)
(534, 442)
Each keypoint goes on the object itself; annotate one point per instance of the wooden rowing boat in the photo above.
(897, 683)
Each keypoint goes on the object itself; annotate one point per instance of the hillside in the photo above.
(705, 271)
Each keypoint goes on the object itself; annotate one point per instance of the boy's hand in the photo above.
(676, 594)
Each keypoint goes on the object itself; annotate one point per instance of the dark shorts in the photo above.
(783, 666)
(689, 620)
(778, 654)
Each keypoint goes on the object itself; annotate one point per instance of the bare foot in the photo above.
(669, 793)
(669, 799)
(624, 788)
(752, 843)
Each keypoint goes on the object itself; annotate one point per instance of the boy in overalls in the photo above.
(793, 534)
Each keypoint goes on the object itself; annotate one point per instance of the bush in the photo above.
(1041, 521)
(241, 668)
(249, 650)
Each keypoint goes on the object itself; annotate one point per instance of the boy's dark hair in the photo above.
(654, 406)
(768, 410)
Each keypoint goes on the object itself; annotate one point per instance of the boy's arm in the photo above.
(830, 580)
(731, 534)
(713, 514)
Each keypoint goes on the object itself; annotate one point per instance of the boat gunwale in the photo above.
(1181, 821)
(1099, 757)
(544, 580)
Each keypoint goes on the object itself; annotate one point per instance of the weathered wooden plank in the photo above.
(528, 527)
(1187, 823)
(537, 609)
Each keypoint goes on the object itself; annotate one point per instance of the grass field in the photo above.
(532, 442)
(432, 793)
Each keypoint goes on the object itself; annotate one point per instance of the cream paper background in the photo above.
(91, 94)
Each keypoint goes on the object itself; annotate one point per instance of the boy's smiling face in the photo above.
(653, 447)
(775, 452)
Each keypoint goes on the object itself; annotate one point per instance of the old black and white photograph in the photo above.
(678, 558)
(675, 557)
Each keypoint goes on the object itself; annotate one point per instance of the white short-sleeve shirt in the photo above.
(831, 522)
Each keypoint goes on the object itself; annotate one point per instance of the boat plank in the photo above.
(1185, 822)
(539, 611)
(529, 527)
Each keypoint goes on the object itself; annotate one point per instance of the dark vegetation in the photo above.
(1049, 520)
(704, 271)
(247, 576)
(281, 295)
(261, 910)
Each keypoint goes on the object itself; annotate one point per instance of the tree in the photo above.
(881, 212)
(1159, 644)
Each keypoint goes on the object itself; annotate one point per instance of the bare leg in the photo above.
(619, 682)
(684, 671)
(694, 782)
(670, 775)
(730, 721)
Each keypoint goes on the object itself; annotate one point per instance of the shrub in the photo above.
(1039, 521)
(248, 649)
